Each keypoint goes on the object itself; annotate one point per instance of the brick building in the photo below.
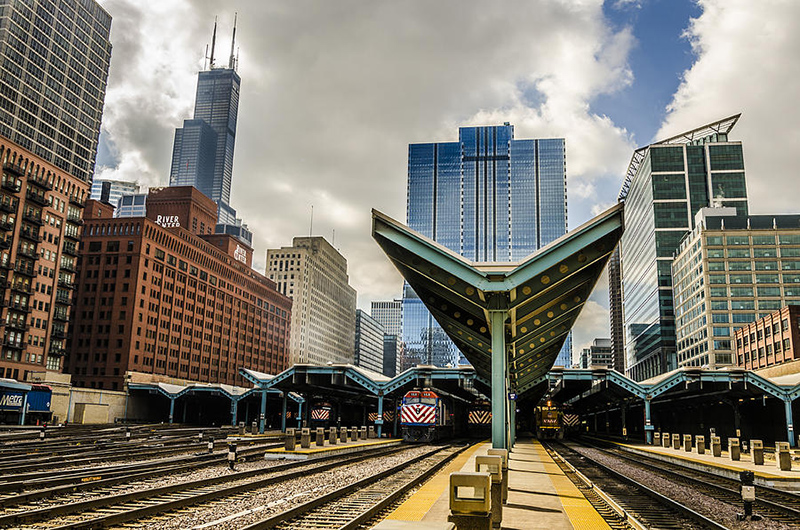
(163, 296)
(770, 340)
(40, 217)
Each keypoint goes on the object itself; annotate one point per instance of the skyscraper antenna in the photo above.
(213, 43)
(205, 59)
(232, 59)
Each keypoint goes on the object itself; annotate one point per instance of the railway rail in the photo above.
(110, 506)
(634, 502)
(770, 502)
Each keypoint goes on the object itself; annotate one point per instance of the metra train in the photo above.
(479, 418)
(553, 421)
(425, 416)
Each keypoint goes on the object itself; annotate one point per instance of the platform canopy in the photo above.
(536, 300)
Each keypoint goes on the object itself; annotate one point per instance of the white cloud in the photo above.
(747, 62)
(333, 92)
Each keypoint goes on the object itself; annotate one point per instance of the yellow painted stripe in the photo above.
(580, 512)
(415, 508)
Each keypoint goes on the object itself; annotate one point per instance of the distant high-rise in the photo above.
(488, 197)
(109, 191)
(369, 343)
(615, 312)
(202, 154)
(54, 58)
(314, 275)
(389, 313)
(666, 185)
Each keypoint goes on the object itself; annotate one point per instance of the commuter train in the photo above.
(479, 418)
(425, 416)
(36, 403)
(322, 414)
(549, 421)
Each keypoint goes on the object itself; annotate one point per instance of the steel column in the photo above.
(379, 419)
(234, 411)
(24, 409)
(283, 413)
(171, 409)
(300, 415)
(263, 418)
(499, 387)
(787, 403)
(512, 423)
(648, 425)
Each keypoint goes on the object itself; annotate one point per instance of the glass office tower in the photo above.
(667, 184)
(202, 154)
(488, 197)
(54, 58)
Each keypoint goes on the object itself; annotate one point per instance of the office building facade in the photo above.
(666, 185)
(616, 319)
(134, 205)
(314, 275)
(163, 298)
(770, 344)
(599, 354)
(729, 272)
(41, 210)
(369, 343)
(389, 313)
(488, 197)
(110, 191)
(54, 58)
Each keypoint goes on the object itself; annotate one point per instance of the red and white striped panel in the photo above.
(480, 417)
(418, 413)
(320, 414)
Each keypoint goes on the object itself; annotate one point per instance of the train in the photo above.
(37, 405)
(425, 416)
(555, 421)
(479, 418)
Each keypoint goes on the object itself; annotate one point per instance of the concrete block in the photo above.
(700, 443)
(716, 446)
(504, 454)
(657, 439)
(470, 493)
(305, 438)
(757, 449)
(676, 441)
(320, 437)
(665, 439)
(783, 458)
(333, 436)
(734, 449)
(289, 440)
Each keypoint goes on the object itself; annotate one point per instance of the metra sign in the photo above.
(168, 221)
(11, 401)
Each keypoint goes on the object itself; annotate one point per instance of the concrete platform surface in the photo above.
(767, 474)
(540, 496)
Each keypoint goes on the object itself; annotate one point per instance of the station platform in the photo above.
(767, 474)
(540, 496)
(329, 449)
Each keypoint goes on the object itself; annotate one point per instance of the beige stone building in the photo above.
(314, 275)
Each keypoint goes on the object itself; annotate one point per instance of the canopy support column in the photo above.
(648, 425)
(171, 409)
(283, 413)
(499, 374)
(262, 419)
(787, 403)
(234, 411)
(379, 419)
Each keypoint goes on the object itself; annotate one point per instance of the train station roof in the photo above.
(349, 381)
(599, 387)
(543, 294)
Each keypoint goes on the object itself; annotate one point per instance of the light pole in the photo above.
(127, 394)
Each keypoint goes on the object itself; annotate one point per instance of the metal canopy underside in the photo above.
(542, 296)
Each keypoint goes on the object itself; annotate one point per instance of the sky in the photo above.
(333, 92)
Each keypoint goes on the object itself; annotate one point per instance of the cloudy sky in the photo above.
(334, 91)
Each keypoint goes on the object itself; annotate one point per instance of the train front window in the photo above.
(411, 400)
(428, 401)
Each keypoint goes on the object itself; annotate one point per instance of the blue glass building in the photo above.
(488, 197)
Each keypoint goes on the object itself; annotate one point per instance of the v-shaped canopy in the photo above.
(541, 296)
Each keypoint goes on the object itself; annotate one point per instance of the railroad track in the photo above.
(770, 502)
(355, 504)
(634, 506)
(28, 488)
(107, 508)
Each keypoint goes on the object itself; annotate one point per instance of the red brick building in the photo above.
(162, 296)
(769, 341)
(41, 211)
